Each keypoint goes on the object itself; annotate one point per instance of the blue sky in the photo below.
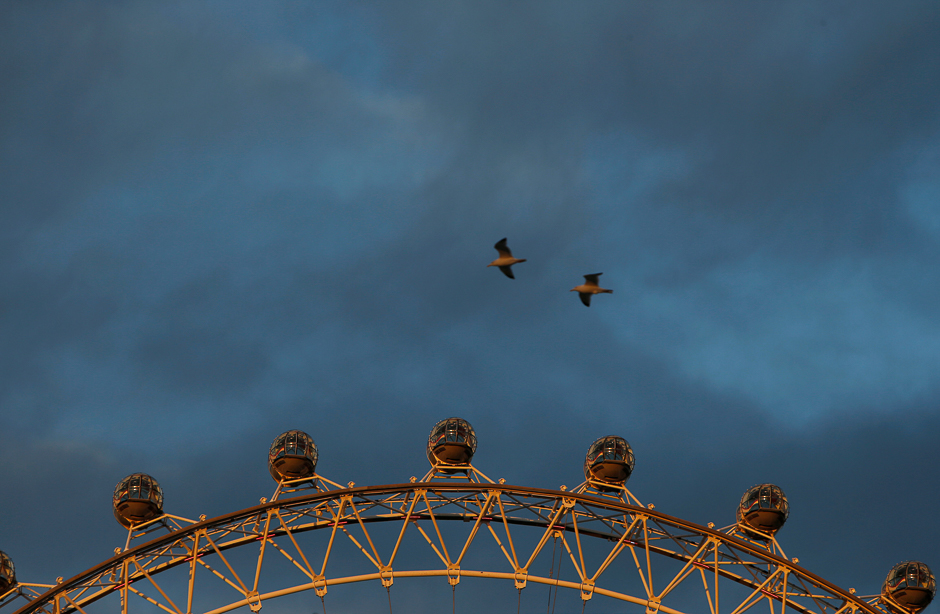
(223, 220)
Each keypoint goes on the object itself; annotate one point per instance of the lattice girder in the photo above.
(516, 525)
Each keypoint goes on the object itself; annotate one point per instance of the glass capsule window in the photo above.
(453, 431)
(138, 487)
(7, 573)
(765, 497)
(293, 443)
(608, 449)
(911, 574)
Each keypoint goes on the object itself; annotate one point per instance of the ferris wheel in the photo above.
(454, 528)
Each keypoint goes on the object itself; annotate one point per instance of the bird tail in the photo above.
(608, 291)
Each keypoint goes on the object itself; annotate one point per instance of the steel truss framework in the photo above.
(623, 551)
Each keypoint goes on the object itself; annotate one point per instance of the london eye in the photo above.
(596, 544)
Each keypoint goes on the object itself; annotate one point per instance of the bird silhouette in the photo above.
(505, 260)
(590, 288)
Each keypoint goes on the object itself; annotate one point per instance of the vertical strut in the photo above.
(264, 542)
(192, 573)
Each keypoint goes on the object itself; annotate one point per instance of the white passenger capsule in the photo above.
(609, 460)
(452, 442)
(137, 498)
(909, 587)
(763, 507)
(292, 456)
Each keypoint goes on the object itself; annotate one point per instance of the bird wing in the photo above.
(592, 278)
(585, 298)
(508, 271)
(503, 250)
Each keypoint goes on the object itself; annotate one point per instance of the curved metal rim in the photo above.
(470, 487)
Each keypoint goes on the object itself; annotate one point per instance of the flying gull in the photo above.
(505, 260)
(590, 287)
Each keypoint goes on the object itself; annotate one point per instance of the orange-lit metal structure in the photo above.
(455, 523)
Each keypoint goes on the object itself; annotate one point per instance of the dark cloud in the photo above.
(220, 223)
(187, 348)
(790, 130)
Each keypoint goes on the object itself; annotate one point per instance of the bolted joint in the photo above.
(254, 601)
(520, 577)
(387, 577)
(652, 606)
(319, 585)
(587, 590)
(453, 574)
